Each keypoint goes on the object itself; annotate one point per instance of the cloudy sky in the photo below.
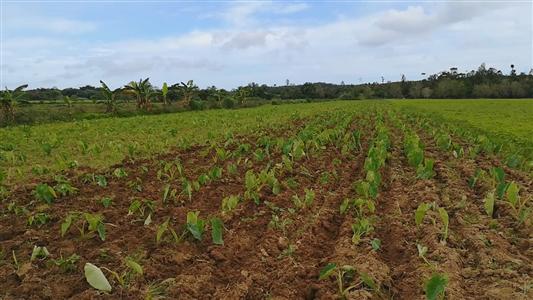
(230, 43)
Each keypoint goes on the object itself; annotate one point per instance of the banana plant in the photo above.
(144, 92)
(188, 90)
(164, 92)
(9, 99)
(109, 98)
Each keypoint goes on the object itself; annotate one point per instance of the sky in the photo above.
(231, 43)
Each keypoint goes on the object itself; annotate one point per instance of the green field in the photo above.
(501, 117)
(103, 142)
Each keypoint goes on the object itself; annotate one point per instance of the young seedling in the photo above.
(45, 193)
(39, 253)
(38, 219)
(66, 264)
(142, 208)
(229, 203)
(345, 277)
(518, 204)
(165, 227)
(87, 224)
(435, 287)
(362, 226)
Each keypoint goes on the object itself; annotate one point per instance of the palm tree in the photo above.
(144, 92)
(109, 98)
(9, 100)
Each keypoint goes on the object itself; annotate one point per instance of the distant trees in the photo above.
(484, 82)
(9, 99)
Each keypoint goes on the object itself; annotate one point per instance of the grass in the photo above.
(500, 117)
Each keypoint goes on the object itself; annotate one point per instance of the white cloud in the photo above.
(424, 38)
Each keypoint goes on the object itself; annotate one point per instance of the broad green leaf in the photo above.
(66, 225)
(327, 271)
(344, 205)
(512, 193)
(96, 278)
(420, 213)
(435, 286)
(489, 204)
(217, 227)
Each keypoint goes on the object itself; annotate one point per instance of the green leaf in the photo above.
(327, 271)
(367, 280)
(161, 229)
(101, 230)
(420, 213)
(489, 204)
(137, 268)
(344, 205)
(512, 193)
(96, 278)
(435, 286)
(66, 225)
(376, 244)
(217, 227)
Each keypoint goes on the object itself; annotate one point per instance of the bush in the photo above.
(228, 103)
(197, 105)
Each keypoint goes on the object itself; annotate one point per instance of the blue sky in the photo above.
(231, 43)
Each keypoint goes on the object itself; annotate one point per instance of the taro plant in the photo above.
(45, 193)
(120, 173)
(129, 270)
(169, 193)
(517, 203)
(361, 226)
(88, 225)
(142, 208)
(164, 229)
(425, 170)
(38, 219)
(63, 187)
(435, 286)
(67, 264)
(498, 181)
(422, 211)
(39, 253)
(307, 201)
(106, 201)
(347, 278)
(195, 225)
(229, 203)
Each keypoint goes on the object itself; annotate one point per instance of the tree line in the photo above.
(481, 83)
